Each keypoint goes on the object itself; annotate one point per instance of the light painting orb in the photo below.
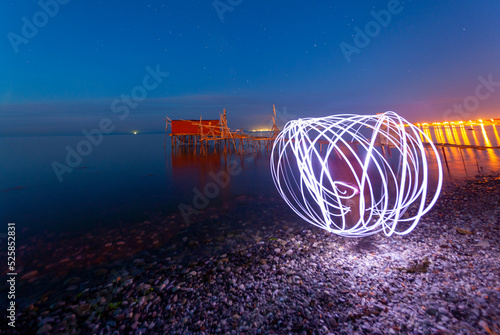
(357, 175)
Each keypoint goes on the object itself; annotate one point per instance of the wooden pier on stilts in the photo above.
(216, 134)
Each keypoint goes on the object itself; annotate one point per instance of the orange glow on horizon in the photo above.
(486, 122)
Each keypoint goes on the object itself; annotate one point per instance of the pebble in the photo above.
(484, 244)
(45, 329)
(325, 284)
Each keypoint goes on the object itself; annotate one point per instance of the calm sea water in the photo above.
(130, 177)
(124, 179)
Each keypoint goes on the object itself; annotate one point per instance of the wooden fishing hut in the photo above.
(189, 132)
(217, 132)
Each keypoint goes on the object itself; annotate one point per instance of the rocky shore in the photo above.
(443, 278)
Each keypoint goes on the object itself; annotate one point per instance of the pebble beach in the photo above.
(291, 277)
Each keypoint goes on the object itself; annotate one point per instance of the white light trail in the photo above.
(335, 174)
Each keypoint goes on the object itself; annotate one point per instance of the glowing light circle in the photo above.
(356, 175)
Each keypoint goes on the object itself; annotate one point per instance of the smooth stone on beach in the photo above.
(44, 330)
(30, 275)
(463, 231)
(484, 244)
(72, 280)
(300, 280)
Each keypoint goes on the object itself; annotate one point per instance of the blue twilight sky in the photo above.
(61, 71)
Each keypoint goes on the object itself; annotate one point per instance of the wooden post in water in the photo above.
(477, 162)
(166, 126)
(463, 160)
(445, 159)
(165, 142)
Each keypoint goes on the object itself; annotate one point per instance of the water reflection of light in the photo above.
(453, 155)
(476, 141)
(439, 134)
(455, 135)
(422, 138)
(496, 134)
(485, 136)
(492, 156)
(449, 135)
(464, 135)
(428, 132)
(463, 161)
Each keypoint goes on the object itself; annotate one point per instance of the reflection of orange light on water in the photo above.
(439, 134)
(496, 134)
(464, 135)
(476, 141)
(449, 135)
(428, 133)
(455, 135)
(485, 136)
(492, 156)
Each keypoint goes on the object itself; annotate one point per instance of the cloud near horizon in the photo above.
(247, 112)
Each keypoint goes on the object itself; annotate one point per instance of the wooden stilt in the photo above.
(463, 160)
(477, 162)
(445, 159)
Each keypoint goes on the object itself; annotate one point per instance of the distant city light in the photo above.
(454, 123)
(259, 130)
(135, 132)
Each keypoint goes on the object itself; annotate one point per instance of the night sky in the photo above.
(306, 57)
